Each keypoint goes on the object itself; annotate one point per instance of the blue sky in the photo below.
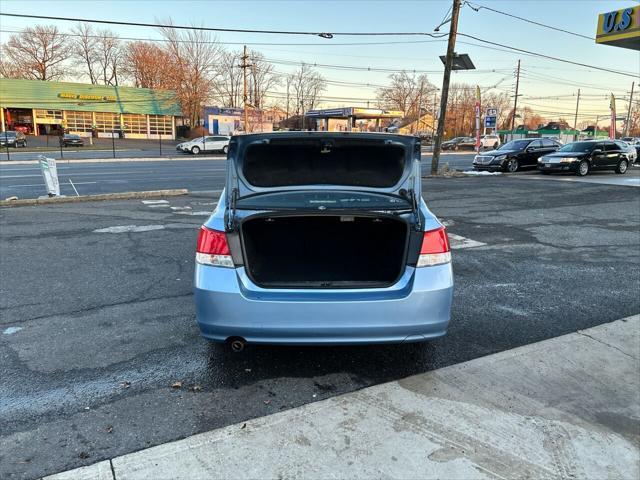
(541, 78)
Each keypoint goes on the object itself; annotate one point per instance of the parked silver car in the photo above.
(209, 143)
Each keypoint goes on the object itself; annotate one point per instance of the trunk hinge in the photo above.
(415, 208)
(231, 217)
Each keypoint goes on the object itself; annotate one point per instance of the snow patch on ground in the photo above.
(11, 330)
(482, 172)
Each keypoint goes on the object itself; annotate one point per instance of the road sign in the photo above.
(491, 112)
(50, 175)
(490, 122)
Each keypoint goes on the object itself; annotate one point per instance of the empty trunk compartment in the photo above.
(324, 251)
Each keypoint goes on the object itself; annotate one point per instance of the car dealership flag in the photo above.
(477, 119)
(612, 127)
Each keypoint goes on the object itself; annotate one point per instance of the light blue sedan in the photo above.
(322, 239)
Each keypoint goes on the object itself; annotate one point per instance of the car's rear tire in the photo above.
(225, 149)
(583, 168)
(622, 167)
(495, 145)
(512, 165)
(195, 150)
(456, 148)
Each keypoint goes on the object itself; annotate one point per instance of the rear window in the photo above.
(321, 162)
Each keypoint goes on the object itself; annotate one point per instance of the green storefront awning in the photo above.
(16, 93)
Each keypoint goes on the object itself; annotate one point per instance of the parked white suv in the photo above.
(490, 141)
(210, 143)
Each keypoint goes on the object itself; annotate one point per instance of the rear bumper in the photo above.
(416, 308)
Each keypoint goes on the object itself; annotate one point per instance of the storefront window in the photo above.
(134, 123)
(79, 121)
(107, 122)
(49, 114)
(160, 124)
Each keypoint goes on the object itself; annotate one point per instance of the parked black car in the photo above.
(13, 139)
(459, 143)
(515, 154)
(582, 157)
(71, 140)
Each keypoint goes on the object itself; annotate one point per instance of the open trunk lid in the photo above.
(377, 163)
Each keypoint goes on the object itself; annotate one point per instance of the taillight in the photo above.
(435, 248)
(213, 249)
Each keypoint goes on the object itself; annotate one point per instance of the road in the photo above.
(25, 181)
(96, 327)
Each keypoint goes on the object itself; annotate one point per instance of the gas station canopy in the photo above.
(620, 28)
(354, 112)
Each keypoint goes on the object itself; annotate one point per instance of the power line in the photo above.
(320, 34)
(327, 35)
(217, 42)
(549, 57)
(477, 7)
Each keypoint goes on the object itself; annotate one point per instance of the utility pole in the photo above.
(448, 64)
(626, 125)
(575, 120)
(515, 102)
(244, 67)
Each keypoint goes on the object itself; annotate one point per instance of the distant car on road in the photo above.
(490, 141)
(582, 157)
(323, 238)
(12, 138)
(210, 143)
(515, 154)
(459, 143)
(71, 140)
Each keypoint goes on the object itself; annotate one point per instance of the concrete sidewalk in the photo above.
(568, 407)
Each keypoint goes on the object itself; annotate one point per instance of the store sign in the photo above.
(77, 96)
(620, 28)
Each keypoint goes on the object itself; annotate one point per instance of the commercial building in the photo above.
(41, 108)
(563, 135)
(228, 120)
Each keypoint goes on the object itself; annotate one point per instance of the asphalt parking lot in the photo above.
(97, 323)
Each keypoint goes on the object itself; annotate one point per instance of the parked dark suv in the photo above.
(515, 154)
(582, 157)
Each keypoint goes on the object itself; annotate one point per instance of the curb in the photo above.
(114, 160)
(92, 198)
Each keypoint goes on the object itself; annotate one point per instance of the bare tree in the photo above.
(263, 79)
(194, 54)
(85, 50)
(36, 53)
(147, 65)
(306, 87)
(406, 93)
(228, 85)
(109, 56)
